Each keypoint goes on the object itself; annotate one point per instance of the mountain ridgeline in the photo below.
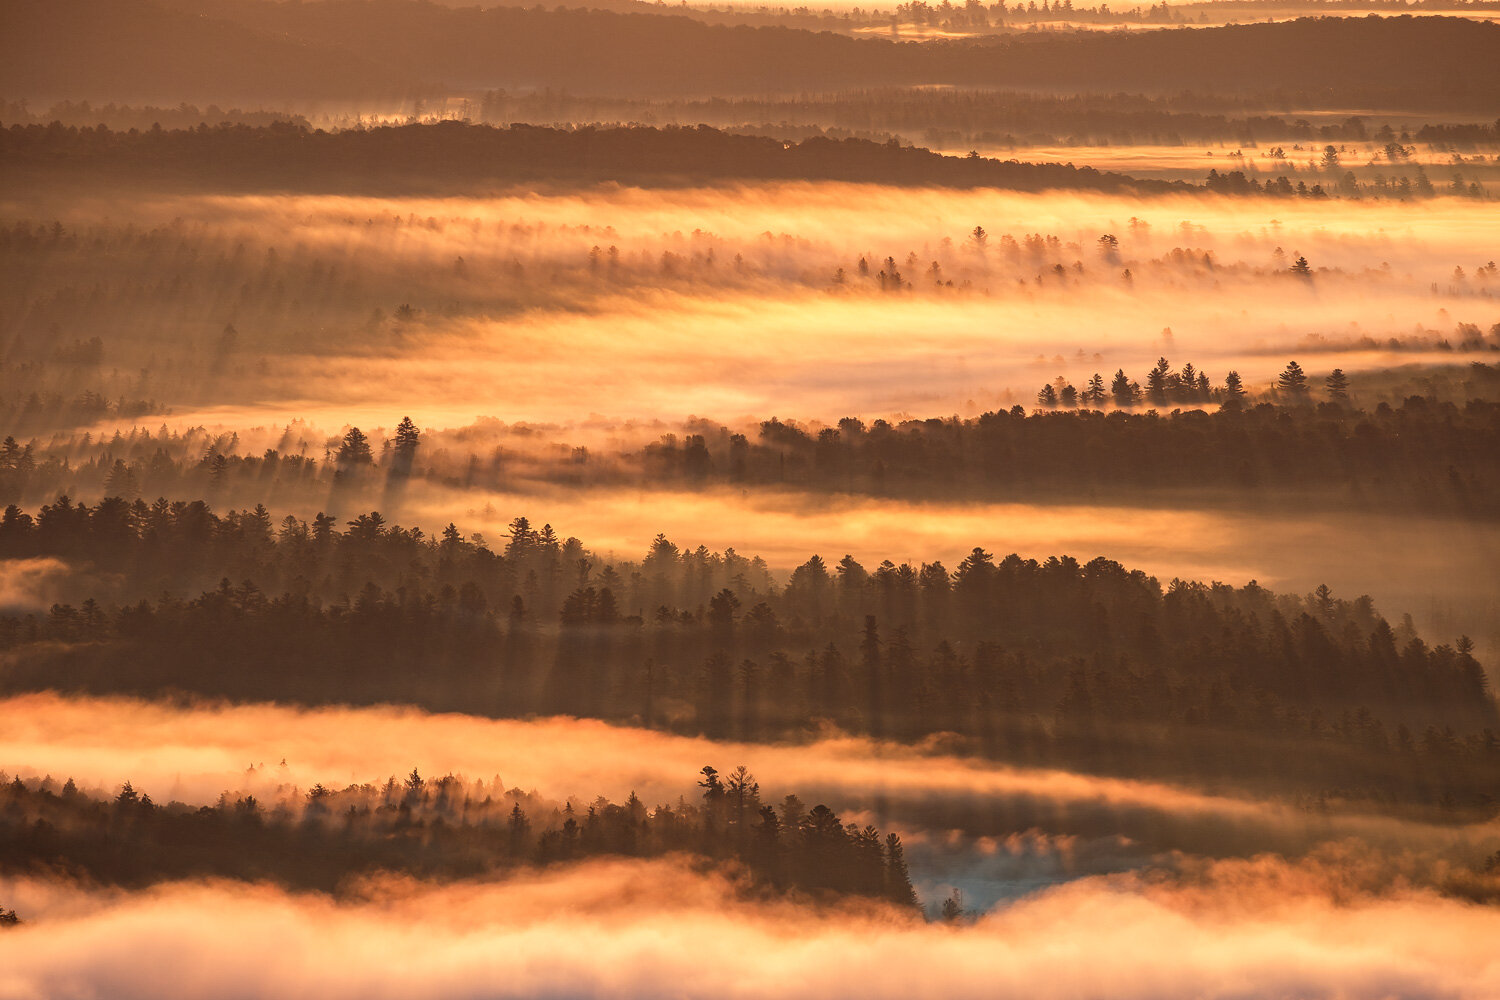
(1055, 663)
(445, 828)
(137, 50)
(452, 156)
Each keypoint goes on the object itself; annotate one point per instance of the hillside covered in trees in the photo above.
(444, 828)
(450, 155)
(1215, 444)
(1091, 666)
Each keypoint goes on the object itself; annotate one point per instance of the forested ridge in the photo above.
(1088, 665)
(444, 155)
(1419, 455)
(371, 46)
(1424, 454)
(947, 116)
(443, 828)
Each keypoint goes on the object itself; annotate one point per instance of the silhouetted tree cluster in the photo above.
(451, 154)
(1313, 441)
(1055, 662)
(947, 117)
(1235, 182)
(435, 828)
(1419, 455)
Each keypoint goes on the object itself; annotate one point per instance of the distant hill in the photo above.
(134, 50)
(119, 49)
(599, 50)
(451, 156)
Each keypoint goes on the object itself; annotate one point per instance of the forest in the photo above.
(986, 116)
(1168, 440)
(453, 155)
(443, 828)
(1017, 657)
(947, 116)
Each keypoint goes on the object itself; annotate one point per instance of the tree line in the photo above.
(449, 154)
(1054, 663)
(444, 828)
(1418, 455)
(938, 117)
(1180, 432)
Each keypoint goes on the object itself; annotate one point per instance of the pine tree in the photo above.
(354, 449)
(1337, 384)
(1156, 382)
(1094, 394)
(408, 437)
(897, 878)
(121, 482)
(1293, 381)
(1234, 391)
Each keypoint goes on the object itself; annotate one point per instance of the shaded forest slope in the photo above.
(451, 156)
(1085, 666)
(440, 829)
(133, 49)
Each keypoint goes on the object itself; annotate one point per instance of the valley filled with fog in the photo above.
(722, 499)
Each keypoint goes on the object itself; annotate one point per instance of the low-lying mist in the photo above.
(638, 304)
(195, 752)
(623, 929)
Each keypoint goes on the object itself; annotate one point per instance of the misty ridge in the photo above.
(941, 119)
(1212, 446)
(449, 829)
(1017, 658)
(453, 156)
(921, 21)
(443, 828)
(953, 812)
(267, 51)
(246, 312)
(69, 280)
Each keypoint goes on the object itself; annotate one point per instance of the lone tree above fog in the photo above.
(1095, 395)
(1156, 382)
(1109, 248)
(354, 449)
(1234, 391)
(1293, 380)
(1337, 384)
(404, 451)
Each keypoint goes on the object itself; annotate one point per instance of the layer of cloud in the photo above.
(193, 753)
(629, 929)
